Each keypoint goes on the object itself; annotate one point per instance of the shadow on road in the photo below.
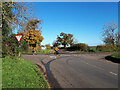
(115, 60)
(51, 78)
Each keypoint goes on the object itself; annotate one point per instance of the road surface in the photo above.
(78, 70)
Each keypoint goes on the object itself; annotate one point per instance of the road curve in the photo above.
(79, 70)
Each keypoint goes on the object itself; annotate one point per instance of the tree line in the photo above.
(16, 16)
(110, 37)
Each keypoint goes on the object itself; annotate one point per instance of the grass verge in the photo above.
(114, 58)
(41, 52)
(21, 74)
(116, 55)
(45, 51)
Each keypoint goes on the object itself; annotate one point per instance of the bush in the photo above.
(92, 49)
(79, 46)
(10, 46)
(117, 47)
(39, 48)
(105, 48)
(48, 46)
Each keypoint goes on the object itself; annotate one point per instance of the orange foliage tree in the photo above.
(33, 38)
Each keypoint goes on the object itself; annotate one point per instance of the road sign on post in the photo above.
(19, 37)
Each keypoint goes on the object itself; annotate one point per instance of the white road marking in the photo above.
(92, 65)
(53, 57)
(98, 67)
(75, 55)
(112, 73)
(65, 55)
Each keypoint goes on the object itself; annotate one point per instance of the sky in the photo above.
(64, 0)
(84, 20)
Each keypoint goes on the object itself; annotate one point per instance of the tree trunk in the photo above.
(113, 37)
(64, 45)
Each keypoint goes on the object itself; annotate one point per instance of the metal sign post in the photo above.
(19, 50)
(19, 37)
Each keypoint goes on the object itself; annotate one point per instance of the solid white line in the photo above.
(112, 73)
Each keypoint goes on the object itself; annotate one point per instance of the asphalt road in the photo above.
(78, 70)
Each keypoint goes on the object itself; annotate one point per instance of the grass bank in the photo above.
(116, 55)
(21, 74)
(41, 52)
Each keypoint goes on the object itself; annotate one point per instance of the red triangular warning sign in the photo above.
(18, 37)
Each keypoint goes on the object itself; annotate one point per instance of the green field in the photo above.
(41, 52)
(21, 74)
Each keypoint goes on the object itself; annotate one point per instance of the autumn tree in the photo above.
(117, 37)
(109, 34)
(14, 15)
(55, 43)
(33, 24)
(65, 39)
(31, 35)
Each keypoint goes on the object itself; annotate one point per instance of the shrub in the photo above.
(38, 48)
(48, 46)
(92, 49)
(10, 46)
(117, 47)
(79, 46)
(105, 48)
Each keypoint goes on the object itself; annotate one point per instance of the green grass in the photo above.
(116, 55)
(0, 73)
(93, 48)
(41, 52)
(21, 74)
(45, 51)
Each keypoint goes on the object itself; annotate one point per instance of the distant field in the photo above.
(93, 48)
(21, 74)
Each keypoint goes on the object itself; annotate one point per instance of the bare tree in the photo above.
(109, 33)
(75, 41)
(16, 14)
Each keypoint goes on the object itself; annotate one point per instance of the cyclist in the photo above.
(56, 51)
(34, 51)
